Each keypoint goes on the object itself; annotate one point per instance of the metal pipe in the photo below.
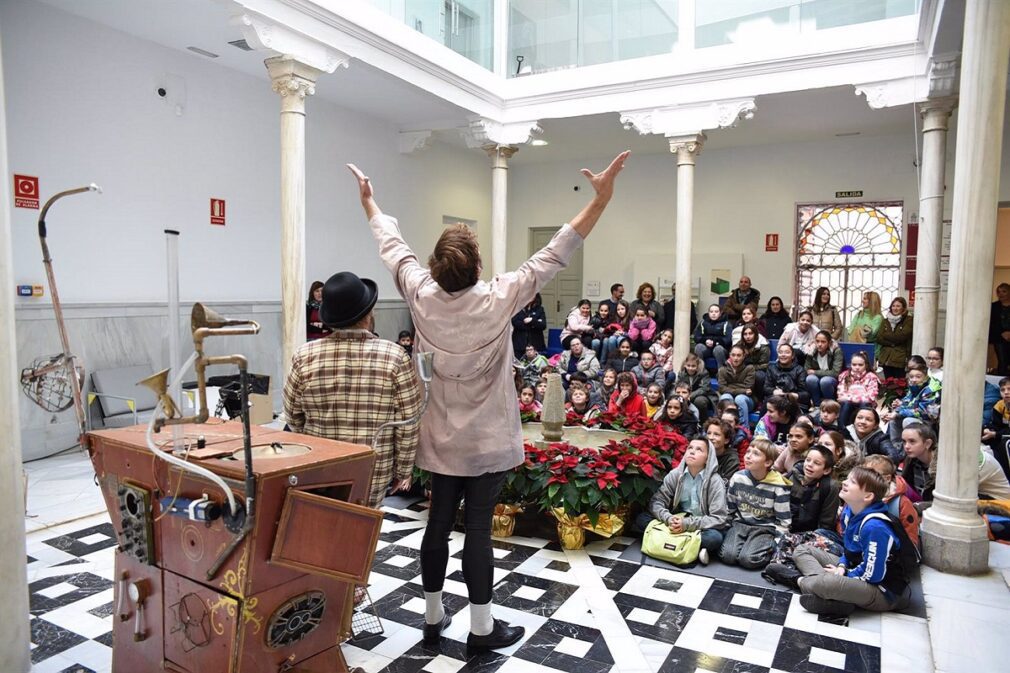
(172, 264)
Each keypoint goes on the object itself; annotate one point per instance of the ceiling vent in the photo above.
(241, 44)
(202, 52)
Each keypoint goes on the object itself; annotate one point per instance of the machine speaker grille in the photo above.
(295, 619)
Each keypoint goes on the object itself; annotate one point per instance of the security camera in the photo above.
(162, 92)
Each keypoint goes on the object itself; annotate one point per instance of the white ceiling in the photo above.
(791, 117)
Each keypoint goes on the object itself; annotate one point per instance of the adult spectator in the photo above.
(616, 296)
(345, 386)
(315, 328)
(774, 319)
(579, 324)
(894, 341)
(825, 314)
(999, 329)
(578, 358)
(740, 297)
(646, 298)
(712, 336)
(866, 323)
(528, 327)
(670, 313)
(469, 441)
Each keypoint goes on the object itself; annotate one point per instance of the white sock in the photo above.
(433, 610)
(481, 623)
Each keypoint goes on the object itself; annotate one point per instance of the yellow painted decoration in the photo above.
(131, 404)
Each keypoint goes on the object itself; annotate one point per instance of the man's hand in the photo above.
(400, 484)
(603, 182)
(365, 191)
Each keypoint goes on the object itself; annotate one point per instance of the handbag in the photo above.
(677, 548)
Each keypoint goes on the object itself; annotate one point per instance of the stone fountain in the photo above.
(552, 428)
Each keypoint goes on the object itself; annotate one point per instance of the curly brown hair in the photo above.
(455, 262)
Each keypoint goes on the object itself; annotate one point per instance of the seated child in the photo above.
(997, 431)
(579, 403)
(702, 396)
(921, 402)
(642, 331)
(782, 412)
(683, 388)
(693, 497)
(898, 504)
(873, 573)
(845, 456)
(541, 388)
(532, 364)
(654, 400)
(758, 501)
(800, 439)
(663, 350)
(718, 433)
(857, 387)
(528, 404)
(740, 439)
(826, 417)
(624, 359)
(626, 401)
(647, 371)
(736, 383)
(674, 415)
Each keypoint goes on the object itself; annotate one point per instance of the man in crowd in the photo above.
(616, 295)
(740, 297)
(349, 383)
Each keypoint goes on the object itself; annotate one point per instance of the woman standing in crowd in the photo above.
(894, 341)
(866, 323)
(578, 325)
(315, 328)
(528, 327)
(825, 314)
(774, 319)
(646, 298)
(824, 365)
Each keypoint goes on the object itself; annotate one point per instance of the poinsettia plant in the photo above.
(892, 388)
(574, 479)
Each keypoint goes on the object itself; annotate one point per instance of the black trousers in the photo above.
(480, 495)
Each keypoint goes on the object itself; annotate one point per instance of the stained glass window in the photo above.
(850, 249)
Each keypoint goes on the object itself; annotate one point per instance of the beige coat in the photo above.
(472, 425)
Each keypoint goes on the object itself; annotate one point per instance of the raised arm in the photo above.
(603, 184)
(365, 192)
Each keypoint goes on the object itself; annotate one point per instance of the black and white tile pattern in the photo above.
(673, 621)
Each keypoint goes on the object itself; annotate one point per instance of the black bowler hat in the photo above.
(347, 299)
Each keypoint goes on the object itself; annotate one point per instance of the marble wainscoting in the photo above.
(108, 336)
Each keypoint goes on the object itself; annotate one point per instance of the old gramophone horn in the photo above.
(206, 317)
(159, 384)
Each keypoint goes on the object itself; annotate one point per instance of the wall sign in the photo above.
(30, 290)
(771, 242)
(26, 191)
(217, 211)
(855, 194)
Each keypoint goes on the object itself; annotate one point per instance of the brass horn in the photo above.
(207, 317)
(159, 384)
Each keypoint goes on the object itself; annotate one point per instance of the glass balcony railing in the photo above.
(548, 35)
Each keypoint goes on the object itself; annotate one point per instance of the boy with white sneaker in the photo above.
(874, 571)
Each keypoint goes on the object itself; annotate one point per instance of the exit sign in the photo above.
(856, 193)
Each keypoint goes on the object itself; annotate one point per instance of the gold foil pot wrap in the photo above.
(572, 529)
(503, 522)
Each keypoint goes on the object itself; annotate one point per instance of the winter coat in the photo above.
(729, 462)
(524, 333)
(760, 503)
(758, 357)
(719, 331)
(791, 380)
(532, 368)
(701, 386)
(654, 375)
(644, 330)
(871, 550)
(736, 381)
(664, 356)
(802, 342)
(860, 391)
(686, 424)
(827, 319)
(921, 402)
(622, 364)
(876, 443)
(813, 505)
(587, 363)
(712, 497)
(469, 334)
(653, 306)
(835, 359)
(894, 344)
(737, 300)
(774, 323)
(633, 406)
(577, 324)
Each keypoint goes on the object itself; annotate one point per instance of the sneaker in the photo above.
(826, 606)
(502, 635)
(703, 556)
(780, 573)
(432, 632)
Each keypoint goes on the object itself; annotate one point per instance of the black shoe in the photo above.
(825, 606)
(432, 632)
(502, 635)
(780, 573)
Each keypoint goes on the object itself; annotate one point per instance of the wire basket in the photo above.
(365, 622)
(47, 381)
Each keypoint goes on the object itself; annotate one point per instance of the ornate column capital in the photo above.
(483, 131)
(261, 33)
(693, 119)
(687, 147)
(494, 150)
(936, 111)
(291, 78)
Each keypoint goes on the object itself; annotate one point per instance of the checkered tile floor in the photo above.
(587, 611)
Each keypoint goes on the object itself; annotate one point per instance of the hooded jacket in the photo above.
(921, 402)
(871, 550)
(760, 503)
(788, 380)
(876, 443)
(736, 380)
(894, 343)
(813, 505)
(860, 391)
(718, 330)
(712, 497)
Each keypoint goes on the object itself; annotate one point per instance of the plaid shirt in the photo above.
(344, 387)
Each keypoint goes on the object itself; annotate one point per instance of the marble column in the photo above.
(14, 636)
(687, 148)
(500, 154)
(935, 114)
(294, 81)
(954, 537)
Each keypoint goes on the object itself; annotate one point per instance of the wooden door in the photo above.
(565, 290)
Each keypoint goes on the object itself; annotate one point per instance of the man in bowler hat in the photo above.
(347, 384)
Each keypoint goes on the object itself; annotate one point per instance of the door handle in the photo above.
(559, 306)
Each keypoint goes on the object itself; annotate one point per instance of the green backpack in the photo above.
(676, 548)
